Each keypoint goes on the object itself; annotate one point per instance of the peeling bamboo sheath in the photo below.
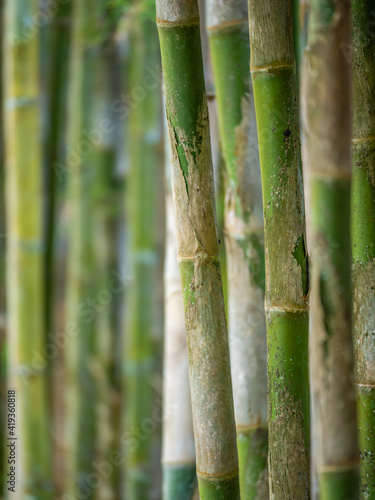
(275, 94)
(198, 251)
(24, 252)
(228, 30)
(363, 235)
(326, 90)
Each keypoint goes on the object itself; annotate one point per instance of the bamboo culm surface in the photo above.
(179, 477)
(244, 239)
(104, 210)
(81, 395)
(24, 253)
(198, 250)
(276, 103)
(363, 233)
(326, 91)
(144, 143)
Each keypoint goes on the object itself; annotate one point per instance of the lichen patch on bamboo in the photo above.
(364, 321)
(173, 11)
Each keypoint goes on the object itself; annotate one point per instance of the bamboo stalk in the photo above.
(80, 388)
(363, 234)
(179, 477)
(326, 90)
(275, 93)
(59, 39)
(3, 367)
(23, 164)
(229, 44)
(56, 45)
(198, 250)
(144, 139)
(104, 211)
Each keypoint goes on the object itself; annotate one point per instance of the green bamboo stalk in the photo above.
(56, 46)
(229, 44)
(23, 164)
(80, 387)
(58, 39)
(144, 141)
(102, 163)
(276, 103)
(179, 477)
(90, 409)
(326, 91)
(198, 250)
(363, 234)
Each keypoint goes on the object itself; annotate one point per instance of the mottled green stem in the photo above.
(276, 103)
(80, 386)
(326, 92)
(198, 250)
(23, 164)
(104, 210)
(59, 38)
(144, 142)
(179, 477)
(229, 44)
(363, 233)
(56, 45)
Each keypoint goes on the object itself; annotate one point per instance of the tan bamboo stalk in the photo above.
(24, 254)
(179, 477)
(363, 233)
(326, 92)
(198, 249)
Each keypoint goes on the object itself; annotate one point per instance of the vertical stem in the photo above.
(58, 59)
(198, 250)
(141, 344)
(179, 477)
(363, 233)
(276, 104)
(326, 90)
(80, 315)
(23, 165)
(101, 133)
(57, 47)
(229, 43)
(3, 367)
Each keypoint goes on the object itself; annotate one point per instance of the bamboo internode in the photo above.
(326, 89)
(276, 104)
(230, 52)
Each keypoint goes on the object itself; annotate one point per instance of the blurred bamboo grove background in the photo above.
(187, 270)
